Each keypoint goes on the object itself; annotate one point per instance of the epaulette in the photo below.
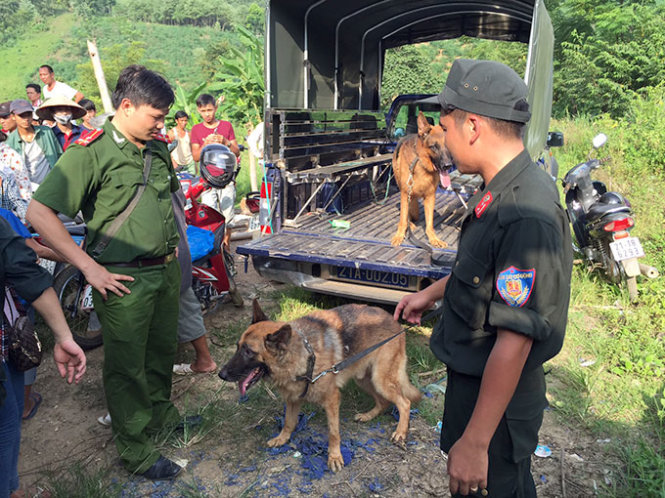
(162, 138)
(88, 138)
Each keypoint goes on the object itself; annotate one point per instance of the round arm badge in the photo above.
(515, 285)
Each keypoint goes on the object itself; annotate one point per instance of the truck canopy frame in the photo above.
(340, 47)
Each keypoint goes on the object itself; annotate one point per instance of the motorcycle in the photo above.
(75, 293)
(601, 221)
(213, 273)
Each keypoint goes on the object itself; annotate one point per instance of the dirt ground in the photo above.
(65, 435)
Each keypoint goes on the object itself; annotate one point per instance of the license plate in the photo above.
(377, 277)
(86, 302)
(627, 248)
(254, 223)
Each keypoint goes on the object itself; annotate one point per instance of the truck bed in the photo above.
(366, 244)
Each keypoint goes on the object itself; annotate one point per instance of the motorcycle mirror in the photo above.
(599, 140)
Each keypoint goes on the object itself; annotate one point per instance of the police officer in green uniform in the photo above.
(134, 272)
(505, 303)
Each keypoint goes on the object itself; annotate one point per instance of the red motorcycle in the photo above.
(213, 268)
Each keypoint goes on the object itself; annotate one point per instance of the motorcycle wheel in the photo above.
(229, 264)
(66, 286)
(613, 269)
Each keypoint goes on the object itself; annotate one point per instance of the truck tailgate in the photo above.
(366, 244)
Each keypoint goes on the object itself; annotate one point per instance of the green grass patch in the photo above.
(80, 481)
(21, 58)
(610, 375)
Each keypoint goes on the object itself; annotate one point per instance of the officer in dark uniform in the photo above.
(135, 273)
(505, 303)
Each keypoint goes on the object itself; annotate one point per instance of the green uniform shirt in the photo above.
(100, 180)
(512, 271)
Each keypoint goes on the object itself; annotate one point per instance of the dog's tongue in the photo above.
(242, 385)
(445, 178)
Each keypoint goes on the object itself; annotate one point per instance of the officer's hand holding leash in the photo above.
(411, 306)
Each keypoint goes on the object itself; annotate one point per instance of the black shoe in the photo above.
(190, 422)
(162, 469)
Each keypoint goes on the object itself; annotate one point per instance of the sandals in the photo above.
(37, 400)
(186, 369)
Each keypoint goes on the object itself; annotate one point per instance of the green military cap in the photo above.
(487, 88)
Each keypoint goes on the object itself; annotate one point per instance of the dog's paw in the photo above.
(280, 440)
(397, 240)
(363, 417)
(398, 438)
(335, 462)
(434, 242)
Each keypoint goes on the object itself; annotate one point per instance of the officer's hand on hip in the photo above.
(467, 467)
(103, 280)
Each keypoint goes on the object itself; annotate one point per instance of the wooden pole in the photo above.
(99, 76)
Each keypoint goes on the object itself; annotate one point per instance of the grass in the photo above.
(620, 394)
(82, 482)
(21, 58)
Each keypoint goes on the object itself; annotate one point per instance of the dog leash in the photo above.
(437, 260)
(338, 367)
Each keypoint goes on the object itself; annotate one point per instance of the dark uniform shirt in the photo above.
(19, 268)
(512, 271)
(100, 179)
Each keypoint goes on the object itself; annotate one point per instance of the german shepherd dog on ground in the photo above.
(420, 162)
(281, 350)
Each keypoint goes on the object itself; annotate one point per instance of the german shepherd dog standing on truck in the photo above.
(284, 351)
(420, 162)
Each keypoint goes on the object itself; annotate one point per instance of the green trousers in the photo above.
(140, 342)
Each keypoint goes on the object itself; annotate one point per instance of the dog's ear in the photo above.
(278, 341)
(423, 125)
(257, 313)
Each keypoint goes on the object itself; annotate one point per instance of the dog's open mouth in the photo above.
(444, 165)
(253, 377)
(444, 177)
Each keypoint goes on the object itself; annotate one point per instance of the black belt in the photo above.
(140, 263)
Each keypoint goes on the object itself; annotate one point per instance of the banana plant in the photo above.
(242, 80)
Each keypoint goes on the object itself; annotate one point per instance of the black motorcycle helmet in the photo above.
(612, 198)
(218, 165)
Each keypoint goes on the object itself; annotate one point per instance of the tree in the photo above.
(409, 69)
(241, 71)
(602, 68)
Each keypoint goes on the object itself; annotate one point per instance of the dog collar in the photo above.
(311, 359)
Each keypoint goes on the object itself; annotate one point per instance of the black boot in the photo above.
(162, 469)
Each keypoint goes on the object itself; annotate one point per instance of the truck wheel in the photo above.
(68, 285)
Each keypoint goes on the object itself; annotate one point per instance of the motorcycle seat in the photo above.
(600, 210)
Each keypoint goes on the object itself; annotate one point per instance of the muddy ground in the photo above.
(230, 457)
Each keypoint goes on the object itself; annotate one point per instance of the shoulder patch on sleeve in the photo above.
(88, 138)
(515, 285)
(162, 138)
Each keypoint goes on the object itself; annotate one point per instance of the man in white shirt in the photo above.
(53, 88)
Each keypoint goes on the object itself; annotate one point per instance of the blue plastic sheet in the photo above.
(201, 242)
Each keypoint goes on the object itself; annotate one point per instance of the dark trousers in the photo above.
(140, 342)
(11, 410)
(515, 439)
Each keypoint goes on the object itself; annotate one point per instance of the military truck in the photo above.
(328, 206)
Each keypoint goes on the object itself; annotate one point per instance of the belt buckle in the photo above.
(169, 257)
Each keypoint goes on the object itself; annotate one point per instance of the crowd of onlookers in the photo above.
(36, 129)
(35, 132)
